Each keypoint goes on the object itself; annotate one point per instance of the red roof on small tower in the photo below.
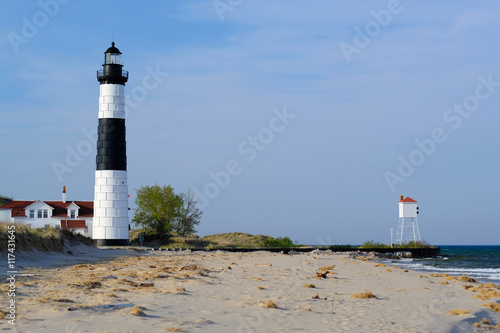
(407, 199)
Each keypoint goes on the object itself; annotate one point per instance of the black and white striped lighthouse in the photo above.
(111, 222)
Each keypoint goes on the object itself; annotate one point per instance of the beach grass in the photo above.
(42, 239)
(212, 242)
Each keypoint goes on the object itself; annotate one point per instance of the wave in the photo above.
(486, 274)
(459, 270)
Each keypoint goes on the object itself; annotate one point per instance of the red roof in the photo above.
(17, 207)
(73, 224)
(408, 199)
(60, 208)
(86, 208)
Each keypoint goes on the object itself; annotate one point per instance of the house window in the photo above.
(43, 213)
(32, 213)
(73, 213)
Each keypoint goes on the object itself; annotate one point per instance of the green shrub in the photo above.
(340, 247)
(278, 242)
(373, 245)
(414, 245)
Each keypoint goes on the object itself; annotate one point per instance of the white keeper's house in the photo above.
(74, 215)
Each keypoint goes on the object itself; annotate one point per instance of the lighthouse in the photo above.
(408, 225)
(111, 222)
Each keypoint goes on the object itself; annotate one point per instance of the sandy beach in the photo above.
(96, 290)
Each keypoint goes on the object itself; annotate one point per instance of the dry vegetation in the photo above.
(236, 239)
(363, 295)
(137, 311)
(438, 275)
(327, 268)
(93, 286)
(459, 312)
(493, 306)
(224, 240)
(485, 291)
(268, 304)
(465, 278)
(321, 275)
(41, 239)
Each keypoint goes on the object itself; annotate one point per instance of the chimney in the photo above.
(64, 194)
(401, 198)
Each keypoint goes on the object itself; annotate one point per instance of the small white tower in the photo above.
(408, 225)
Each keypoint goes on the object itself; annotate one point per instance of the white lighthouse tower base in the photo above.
(111, 205)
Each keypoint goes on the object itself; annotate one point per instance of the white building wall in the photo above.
(407, 209)
(55, 222)
(5, 215)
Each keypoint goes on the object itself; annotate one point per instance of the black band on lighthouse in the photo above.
(111, 242)
(111, 144)
(112, 74)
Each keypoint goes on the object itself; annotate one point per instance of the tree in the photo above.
(4, 200)
(190, 216)
(158, 208)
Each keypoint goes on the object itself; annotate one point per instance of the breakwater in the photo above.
(415, 252)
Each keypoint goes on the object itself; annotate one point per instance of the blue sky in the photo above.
(291, 118)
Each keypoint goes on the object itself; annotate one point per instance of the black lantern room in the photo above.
(112, 70)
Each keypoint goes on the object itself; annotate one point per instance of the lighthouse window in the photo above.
(113, 58)
(73, 213)
(39, 214)
(32, 213)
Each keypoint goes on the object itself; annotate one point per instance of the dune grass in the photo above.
(42, 239)
(211, 242)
